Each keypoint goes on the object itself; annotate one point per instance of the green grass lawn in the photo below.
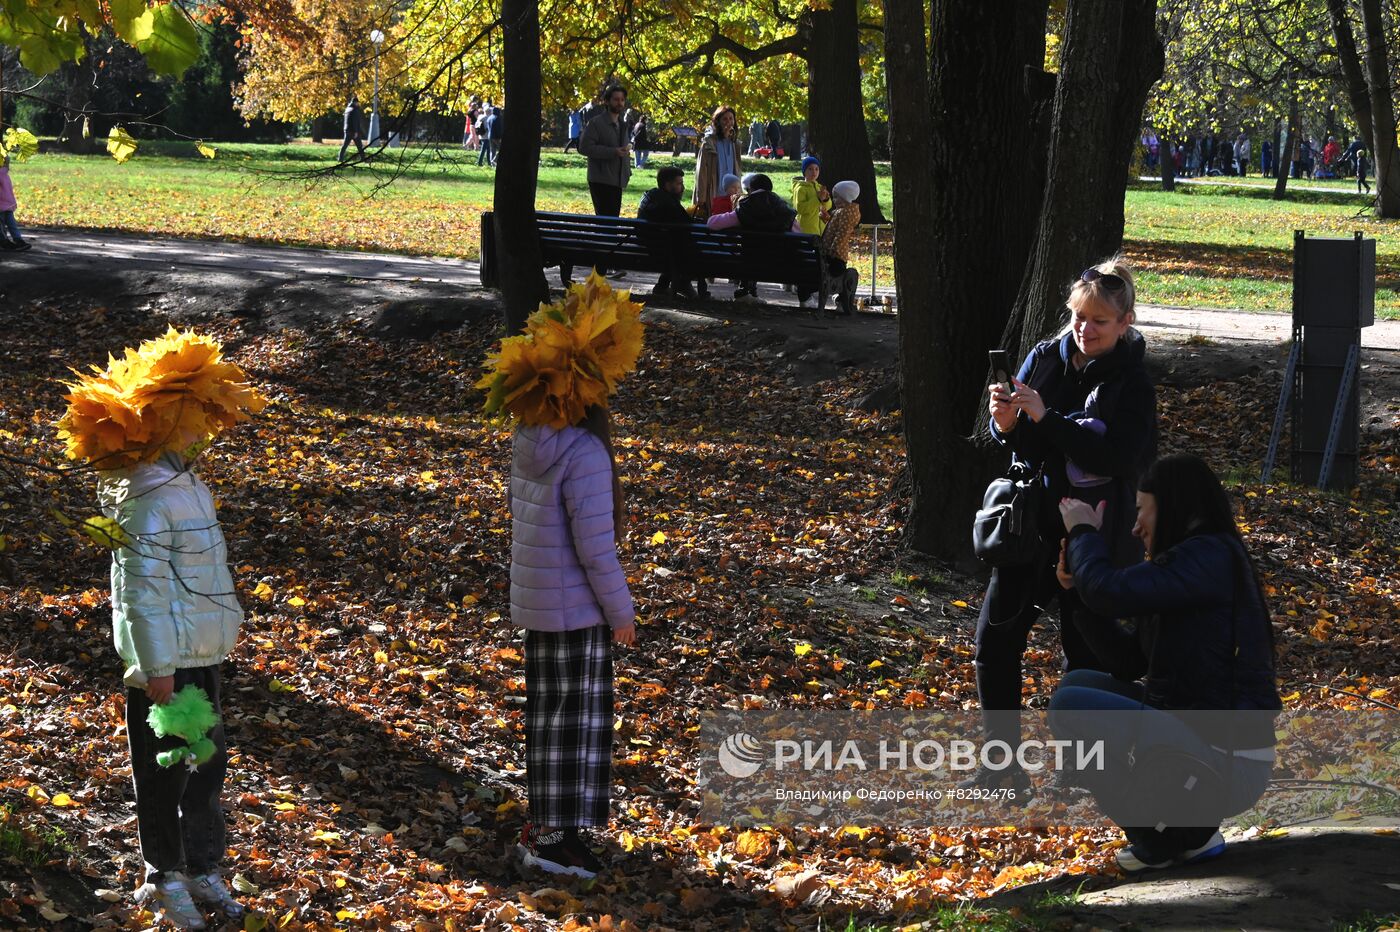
(1203, 246)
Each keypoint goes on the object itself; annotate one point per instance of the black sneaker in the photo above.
(550, 853)
(578, 844)
(22, 246)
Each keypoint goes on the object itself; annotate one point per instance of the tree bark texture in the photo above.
(836, 106)
(518, 166)
(1387, 160)
(1111, 57)
(1352, 75)
(963, 236)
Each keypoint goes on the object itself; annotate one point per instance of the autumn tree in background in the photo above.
(713, 52)
(314, 72)
(982, 265)
(1244, 66)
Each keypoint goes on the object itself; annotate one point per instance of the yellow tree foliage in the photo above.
(306, 73)
(570, 357)
(50, 32)
(168, 394)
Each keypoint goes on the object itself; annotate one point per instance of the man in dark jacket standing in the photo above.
(352, 132)
(662, 204)
(605, 144)
(495, 129)
(775, 138)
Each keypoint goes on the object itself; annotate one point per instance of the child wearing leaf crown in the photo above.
(567, 587)
(174, 614)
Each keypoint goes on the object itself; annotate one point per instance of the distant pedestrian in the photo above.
(1361, 167)
(483, 155)
(575, 129)
(353, 130)
(755, 136)
(491, 142)
(1242, 155)
(775, 137)
(718, 155)
(641, 141)
(10, 237)
(1266, 158)
(604, 142)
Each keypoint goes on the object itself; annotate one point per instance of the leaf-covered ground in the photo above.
(374, 704)
(1203, 246)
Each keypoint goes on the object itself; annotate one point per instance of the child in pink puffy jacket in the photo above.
(569, 593)
(10, 237)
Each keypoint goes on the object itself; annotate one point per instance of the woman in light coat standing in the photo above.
(719, 155)
(567, 587)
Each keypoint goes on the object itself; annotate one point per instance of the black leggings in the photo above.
(1015, 598)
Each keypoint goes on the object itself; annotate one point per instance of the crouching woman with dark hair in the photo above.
(1191, 742)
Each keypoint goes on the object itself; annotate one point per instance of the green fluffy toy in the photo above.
(188, 715)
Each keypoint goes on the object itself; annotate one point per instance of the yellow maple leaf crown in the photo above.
(169, 394)
(571, 356)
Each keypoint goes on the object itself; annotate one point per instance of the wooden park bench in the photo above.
(689, 250)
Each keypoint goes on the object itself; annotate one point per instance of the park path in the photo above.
(290, 263)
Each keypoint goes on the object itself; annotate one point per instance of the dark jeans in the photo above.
(1091, 706)
(1015, 598)
(607, 202)
(179, 819)
(8, 227)
(487, 155)
(357, 140)
(571, 144)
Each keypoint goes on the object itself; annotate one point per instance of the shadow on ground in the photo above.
(1305, 880)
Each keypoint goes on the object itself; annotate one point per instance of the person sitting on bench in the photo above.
(762, 211)
(836, 249)
(662, 204)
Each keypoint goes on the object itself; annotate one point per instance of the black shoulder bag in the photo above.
(1006, 530)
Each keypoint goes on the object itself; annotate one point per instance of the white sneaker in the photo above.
(211, 890)
(810, 302)
(172, 898)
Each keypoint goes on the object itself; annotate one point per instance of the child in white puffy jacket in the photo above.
(174, 614)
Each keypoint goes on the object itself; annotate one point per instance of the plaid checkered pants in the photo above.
(569, 726)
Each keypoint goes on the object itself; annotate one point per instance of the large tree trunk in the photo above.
(518, 167)
(1382, 112)
(1352, 75)
(836, 107)
(1111, 58)
(962, 240)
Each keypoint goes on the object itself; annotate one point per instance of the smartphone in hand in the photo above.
(1001, 369)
